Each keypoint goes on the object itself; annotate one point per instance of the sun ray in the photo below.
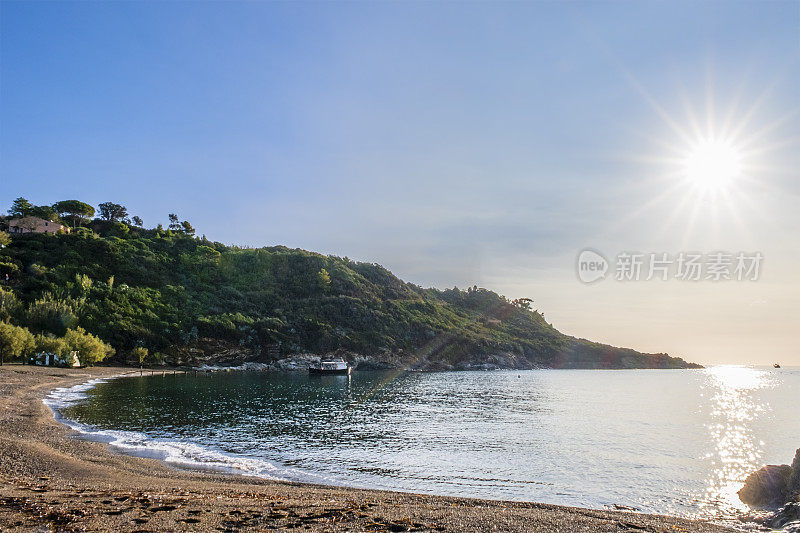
(683, 204)
(623, 222)
(709, 94)
(691, 116)
(771, 127)
(750, 114)
(632, 80)
(690, 223)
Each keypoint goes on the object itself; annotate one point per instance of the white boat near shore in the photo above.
(330, 367)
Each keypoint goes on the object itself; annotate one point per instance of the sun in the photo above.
(712, 165)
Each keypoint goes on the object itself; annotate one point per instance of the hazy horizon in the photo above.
(455, 144)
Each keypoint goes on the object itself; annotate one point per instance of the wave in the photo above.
(63, 397)
(175, 452)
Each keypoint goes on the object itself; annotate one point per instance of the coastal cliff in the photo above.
(211, 352)
(164, 296)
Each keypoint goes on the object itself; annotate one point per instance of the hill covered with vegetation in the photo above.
(165, 296)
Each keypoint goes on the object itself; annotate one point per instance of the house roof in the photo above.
(15, 221)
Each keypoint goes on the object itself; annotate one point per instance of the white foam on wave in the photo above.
(65, 396)
(172, 451)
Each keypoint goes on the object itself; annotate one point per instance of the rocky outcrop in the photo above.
(775, 487)
(213, 352)
(787, 518)
(768, 487)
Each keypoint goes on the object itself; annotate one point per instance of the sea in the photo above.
(678, 442)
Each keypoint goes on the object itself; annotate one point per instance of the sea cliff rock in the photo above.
(776, 486)
(794, 483)
(212, 352)
(768, 487)
(787, 518)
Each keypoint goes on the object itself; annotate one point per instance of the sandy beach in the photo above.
(52, 479)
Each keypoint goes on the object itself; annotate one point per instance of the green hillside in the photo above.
(186, 300)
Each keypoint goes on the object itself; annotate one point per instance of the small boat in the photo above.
(776, 365)
(330, 367)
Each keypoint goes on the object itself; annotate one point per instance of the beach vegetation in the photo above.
(15, 342)
(139, 355)
(90, 349)
(50, 344)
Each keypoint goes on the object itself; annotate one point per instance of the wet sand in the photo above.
(52, 479)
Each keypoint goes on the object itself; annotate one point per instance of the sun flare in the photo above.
(712, 165)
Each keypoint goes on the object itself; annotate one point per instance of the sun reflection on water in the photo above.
(736, 451)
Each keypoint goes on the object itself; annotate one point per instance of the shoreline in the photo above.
(180, 455)
(50, 478)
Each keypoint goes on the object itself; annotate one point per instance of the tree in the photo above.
(323, 279)
(119, 229)
(138, 221)
(175, 224)
(45, 212)
(5, 239)
(112, 212)
(14, 341)
(74, 211)
(9, 305)
(140, 354)
(50, 313)
(523, 303)
(20, 208)
(90, 349)
(53, 345)
(187, 228)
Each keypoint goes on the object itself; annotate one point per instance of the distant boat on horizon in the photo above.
(776, 365)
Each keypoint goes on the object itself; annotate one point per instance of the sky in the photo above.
(456, 143)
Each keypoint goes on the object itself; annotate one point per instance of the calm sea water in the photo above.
(676, 442)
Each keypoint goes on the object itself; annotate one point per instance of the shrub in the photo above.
(139, 355)
(52, 345)
(90, 349)
(52, 314)
(84, 232)
(9, 305)
(15, 342)
(7, 267)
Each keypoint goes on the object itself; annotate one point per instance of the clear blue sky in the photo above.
(455, 143)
